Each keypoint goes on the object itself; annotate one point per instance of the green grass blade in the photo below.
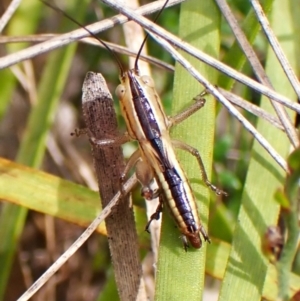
(235, 56)
(33, 146)
(8, 224)
(247, 267)
(217, 258)
(17, 26)
(54, 196)
(180, 275)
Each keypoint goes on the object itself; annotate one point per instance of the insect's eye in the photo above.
(120, 91)
(147, 80)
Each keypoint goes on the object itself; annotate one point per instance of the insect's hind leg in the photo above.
(193, 151)
(199, 103)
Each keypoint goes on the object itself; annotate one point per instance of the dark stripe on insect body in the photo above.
(143, 108)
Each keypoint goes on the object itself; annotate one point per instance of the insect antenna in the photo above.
(56, 8)
(136, 67)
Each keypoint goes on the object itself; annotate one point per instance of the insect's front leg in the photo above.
(116, 141)
(105, 142)
(79, 132)
(199, 103)
(193, 151)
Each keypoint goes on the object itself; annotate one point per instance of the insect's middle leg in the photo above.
(193, 151)
(145, 176)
